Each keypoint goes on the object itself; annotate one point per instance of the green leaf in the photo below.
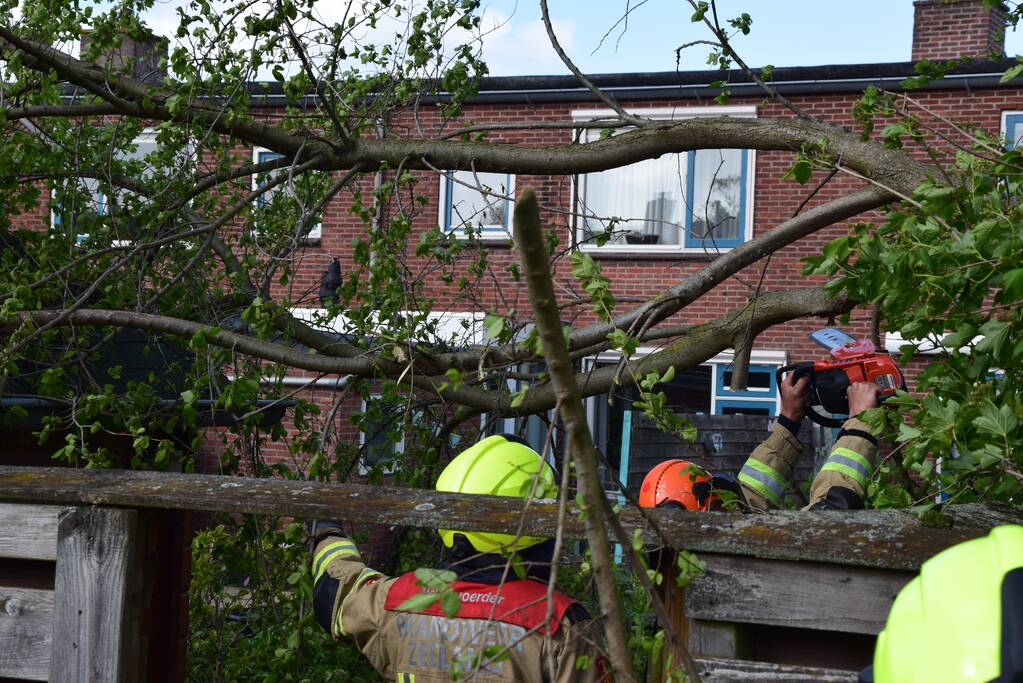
(701, 11)
(999, 422)
(450, 603)
(418, 602)
(519, 396)
(907, 432)
(996, 335)
(435, 578)
(1012, 282)
(495, 325)
(1011, 73)
(800, 171)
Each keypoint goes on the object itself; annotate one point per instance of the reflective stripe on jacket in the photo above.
(767, 473)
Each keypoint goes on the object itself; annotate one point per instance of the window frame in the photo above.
(315, 233)
(147, 135)
(399, 445)
(487, 232)
(1010, 117)
(698, 245)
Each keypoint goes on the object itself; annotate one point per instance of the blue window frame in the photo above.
(727, 226)
(739, 407)
(463, 204)
(696, 202)
(759, 398)
(761, 382)
(1013, 128)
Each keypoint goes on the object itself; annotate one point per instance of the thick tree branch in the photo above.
(890, 168)
(537, 273)
(717, 271)
(700, 343)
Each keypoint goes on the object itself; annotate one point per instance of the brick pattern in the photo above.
(948, 29)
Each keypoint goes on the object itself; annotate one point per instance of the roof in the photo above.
(826, 79)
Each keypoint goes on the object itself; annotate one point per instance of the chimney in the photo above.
(138, 58)
(949, 29)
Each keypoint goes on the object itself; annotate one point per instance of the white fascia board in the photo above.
(449, 324)
(757, 357)
(667, 112)
(893, 342)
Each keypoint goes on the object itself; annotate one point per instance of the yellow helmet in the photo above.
(961, 619)
(497, 466)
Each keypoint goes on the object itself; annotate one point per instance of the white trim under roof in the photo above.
(450, 328)
(667, 112)
(893, 342)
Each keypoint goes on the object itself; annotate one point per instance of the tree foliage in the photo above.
(193, 239)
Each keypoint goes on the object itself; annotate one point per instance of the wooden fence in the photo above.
(90, 592)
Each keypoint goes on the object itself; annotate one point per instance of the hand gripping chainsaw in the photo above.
(851, 361)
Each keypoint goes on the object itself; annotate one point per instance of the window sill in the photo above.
(496, 237)
(605, 254)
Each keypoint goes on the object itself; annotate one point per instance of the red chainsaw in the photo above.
(852, 360)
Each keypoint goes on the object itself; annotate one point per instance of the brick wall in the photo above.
(948, 29)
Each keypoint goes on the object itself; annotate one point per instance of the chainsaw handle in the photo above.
(799, 370)
(823, 419)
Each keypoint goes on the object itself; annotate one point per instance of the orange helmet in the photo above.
(676, 481)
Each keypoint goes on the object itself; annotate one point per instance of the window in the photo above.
(378, 439)
(471, 202)
(260, 155)
(1012, 127)
(98, 203)
(694, 202)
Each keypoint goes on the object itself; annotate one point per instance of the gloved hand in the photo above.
(320, 529)
(795, 397)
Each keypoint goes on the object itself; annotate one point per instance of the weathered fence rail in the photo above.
(786, 590)
(879, 538)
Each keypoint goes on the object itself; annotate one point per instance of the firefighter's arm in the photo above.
(339, 574)
(767, 472)
(842, 481)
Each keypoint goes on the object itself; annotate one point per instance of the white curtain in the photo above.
(646, 196)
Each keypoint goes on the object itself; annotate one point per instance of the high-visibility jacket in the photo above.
(766, 475)
(502, 632)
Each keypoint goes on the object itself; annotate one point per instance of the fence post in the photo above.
(91, 641)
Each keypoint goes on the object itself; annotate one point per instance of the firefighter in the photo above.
(763, 481)
(499, 611)
(960, 620)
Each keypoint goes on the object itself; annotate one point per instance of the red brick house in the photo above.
(667, 204)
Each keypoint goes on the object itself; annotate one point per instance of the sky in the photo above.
(784, 33)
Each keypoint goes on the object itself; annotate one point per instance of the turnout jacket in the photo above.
(766, 475)
(426, 646)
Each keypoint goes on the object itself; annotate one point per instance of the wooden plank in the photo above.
(713, 639)
(26, 616)
(781, 593)
(95, 555)
(28, 532)
(738, 671)
(882, 538)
